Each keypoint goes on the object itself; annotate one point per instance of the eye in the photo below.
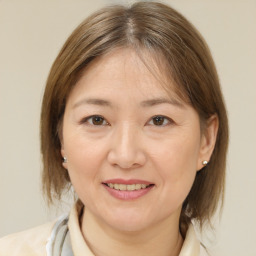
(95, 120)
(160, 121)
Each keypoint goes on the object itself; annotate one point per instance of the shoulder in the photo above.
(30, 242)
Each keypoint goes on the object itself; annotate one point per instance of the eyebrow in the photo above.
(158, 101)
(145, 103)
(93, 101)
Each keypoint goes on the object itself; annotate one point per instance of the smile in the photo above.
(127, 189)
(124, 187)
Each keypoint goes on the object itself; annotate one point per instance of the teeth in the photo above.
(138, 186)
(122, 187)
(130, 187)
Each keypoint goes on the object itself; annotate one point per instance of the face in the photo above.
(132, 149)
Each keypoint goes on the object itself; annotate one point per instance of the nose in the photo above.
(126, 148)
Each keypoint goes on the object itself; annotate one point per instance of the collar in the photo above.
(191, 245)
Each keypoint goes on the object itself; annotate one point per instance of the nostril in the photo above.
(126, 160)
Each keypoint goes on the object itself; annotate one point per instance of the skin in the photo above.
(127, 142)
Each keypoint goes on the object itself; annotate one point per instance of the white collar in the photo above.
(191, 245)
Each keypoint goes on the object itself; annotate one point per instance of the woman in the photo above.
(133, 117)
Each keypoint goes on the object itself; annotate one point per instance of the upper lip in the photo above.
(127, 182)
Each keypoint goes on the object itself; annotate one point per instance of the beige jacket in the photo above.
(36, 241)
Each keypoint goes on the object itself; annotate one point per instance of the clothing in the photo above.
(65, 233)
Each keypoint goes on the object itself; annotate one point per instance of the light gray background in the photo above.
(31, 34)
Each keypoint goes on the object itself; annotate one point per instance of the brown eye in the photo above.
(95, 120)
(160, 121)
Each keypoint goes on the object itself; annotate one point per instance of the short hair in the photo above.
(161, 31)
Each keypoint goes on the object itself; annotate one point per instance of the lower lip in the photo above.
(128, 195)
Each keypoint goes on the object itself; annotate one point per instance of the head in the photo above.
(163, 40)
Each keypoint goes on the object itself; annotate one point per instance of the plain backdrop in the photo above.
(31, 34)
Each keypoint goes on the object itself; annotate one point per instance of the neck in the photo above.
(162, 239)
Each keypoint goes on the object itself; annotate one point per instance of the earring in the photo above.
(65, 160)
(205, 162)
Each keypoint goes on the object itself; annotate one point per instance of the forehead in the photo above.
(124, 69)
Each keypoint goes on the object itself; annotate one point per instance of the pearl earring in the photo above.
(205, 162)
(65, 160)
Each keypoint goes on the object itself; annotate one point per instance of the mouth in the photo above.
(127, 187)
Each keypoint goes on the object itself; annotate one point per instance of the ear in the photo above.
(208, 140)
(64, 164)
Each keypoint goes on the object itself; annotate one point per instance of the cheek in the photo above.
(177, 156)
(84, 157)
(176, 163)
(79, 148)
(83, 169)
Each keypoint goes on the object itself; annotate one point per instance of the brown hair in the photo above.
(154, 28)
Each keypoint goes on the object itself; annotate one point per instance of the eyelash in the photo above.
(166, 120)
(86, 120)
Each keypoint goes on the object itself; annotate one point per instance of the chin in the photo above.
(129, 226)
(128, 221)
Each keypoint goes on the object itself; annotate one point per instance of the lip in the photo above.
(127, 182)
(125, 194)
